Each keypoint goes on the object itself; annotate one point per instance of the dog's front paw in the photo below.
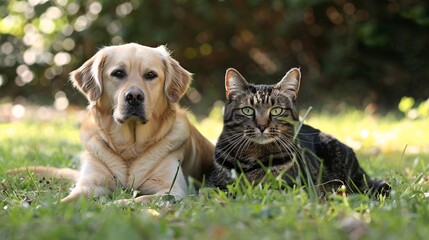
(140, 199)
(122, 202)
(88, 191)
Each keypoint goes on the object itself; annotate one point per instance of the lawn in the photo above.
(392, 148)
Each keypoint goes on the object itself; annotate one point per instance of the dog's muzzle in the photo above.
(134, 97)
(134, 105)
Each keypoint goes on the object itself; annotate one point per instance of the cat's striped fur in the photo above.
(259, 129)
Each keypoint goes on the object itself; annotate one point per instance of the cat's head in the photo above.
(264, 113)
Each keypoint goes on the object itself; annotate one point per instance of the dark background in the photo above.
(366, 54)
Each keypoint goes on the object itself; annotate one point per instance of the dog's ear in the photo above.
(234, 82)
(177, 79)
(291, 82)
(88, 78)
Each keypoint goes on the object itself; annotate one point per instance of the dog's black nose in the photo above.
(134, 96)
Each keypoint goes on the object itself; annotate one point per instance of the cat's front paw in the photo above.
(381, 188)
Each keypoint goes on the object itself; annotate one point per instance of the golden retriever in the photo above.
(135, 135)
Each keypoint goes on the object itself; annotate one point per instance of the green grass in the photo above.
(391, 149)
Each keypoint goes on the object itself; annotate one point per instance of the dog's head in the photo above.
(132, 81)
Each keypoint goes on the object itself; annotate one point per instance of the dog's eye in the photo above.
(118, 74)
(150, 75)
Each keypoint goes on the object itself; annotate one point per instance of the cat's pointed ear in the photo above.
(234, 82)
(290, 82)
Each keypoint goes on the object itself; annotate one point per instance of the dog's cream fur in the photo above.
(135, 146)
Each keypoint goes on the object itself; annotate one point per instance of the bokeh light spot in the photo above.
(29, 56)
(61, 102)
(124, 9)
(190, 53)
(72, 8)
(54, 13)
(349, 8)
(6, 48)
(206, 49)
(68, 44)
(67, 30)
(193, 95)
(62, 58)
(81, 23)
(46, 25)
(25, 75)
(95, 8)
(18, 111)
(334, 16)
(116, 40)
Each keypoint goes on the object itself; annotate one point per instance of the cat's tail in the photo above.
(41, 171)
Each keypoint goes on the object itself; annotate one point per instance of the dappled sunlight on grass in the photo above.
(37, 130)
(25, 142)
(375, 134)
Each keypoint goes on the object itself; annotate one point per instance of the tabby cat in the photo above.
(262, 131)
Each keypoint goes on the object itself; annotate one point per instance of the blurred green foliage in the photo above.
(412, 110)
(360, 52)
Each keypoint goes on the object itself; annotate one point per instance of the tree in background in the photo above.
(358, 52)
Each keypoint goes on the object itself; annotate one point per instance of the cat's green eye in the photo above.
(248, 111)
(276, 111)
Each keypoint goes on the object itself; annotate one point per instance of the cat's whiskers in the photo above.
(279, 146)
(290, 143)
(229, 138)
(243, 147)
(286, 146)
(226, 151)
(291, 148)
